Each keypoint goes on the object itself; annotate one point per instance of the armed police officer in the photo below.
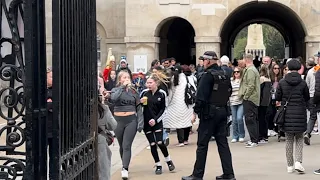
(213, 93)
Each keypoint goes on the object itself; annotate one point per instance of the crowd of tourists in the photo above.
(162, 100)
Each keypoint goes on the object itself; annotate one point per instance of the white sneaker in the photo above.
(180, 145)
(298, 167)
(124, 174)
(251, 145)
(241, 140)
(272, 133)
(290, 169)
(315, 132)
(234, 141)
(148, 147)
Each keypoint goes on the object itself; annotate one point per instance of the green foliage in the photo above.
(273, 40)
(239, 47)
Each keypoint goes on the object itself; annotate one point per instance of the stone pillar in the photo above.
(312, 45)
(207, 43)
(287, 51)
(148, 46)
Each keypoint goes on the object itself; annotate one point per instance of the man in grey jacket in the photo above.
(311, 81)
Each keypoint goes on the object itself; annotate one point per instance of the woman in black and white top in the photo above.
(154, 104)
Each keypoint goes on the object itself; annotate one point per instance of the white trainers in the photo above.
(241, 140)
(290, 169)
(251, 145)
(124, 174)
(272, 133)
(148, 147)
(234, 140)
(298, 167)
(180, 145)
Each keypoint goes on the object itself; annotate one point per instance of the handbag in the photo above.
(279, 117)
(107, 134)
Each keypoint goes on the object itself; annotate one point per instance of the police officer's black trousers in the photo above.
(218, 128)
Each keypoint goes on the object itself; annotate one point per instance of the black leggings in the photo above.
(155, 137)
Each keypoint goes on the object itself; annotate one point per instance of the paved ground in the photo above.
(265, 162)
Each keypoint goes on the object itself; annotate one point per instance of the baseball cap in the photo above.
(211, 55)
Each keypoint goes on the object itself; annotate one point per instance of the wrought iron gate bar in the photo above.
(74, 89)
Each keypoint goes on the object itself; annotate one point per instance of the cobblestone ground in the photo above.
(265, 162)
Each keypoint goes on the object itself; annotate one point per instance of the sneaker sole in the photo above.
(306, 140)
(316, 173)
(299, 171)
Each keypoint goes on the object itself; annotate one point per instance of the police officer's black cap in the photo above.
(211, 55)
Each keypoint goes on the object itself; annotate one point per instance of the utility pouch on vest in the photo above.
(209, 111)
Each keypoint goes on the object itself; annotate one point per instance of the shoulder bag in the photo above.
(279, 117)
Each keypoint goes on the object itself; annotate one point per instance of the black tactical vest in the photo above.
(221, 90)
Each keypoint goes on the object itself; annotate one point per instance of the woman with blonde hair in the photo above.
(128, 114)
(154, 102)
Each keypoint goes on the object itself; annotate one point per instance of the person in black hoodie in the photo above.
(49, 116)
(294, 92)
(265, 98)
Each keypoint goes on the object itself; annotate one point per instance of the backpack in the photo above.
(189, 93)
(222, 89)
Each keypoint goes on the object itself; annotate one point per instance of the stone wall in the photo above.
(131, 27)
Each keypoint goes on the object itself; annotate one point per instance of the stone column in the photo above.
(312, 45)
(207, 43)
(142, 46)
(287, 51)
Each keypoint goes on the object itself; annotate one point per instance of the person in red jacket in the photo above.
(110, 65)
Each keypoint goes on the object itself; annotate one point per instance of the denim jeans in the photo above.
(237, 121)
(165, 134)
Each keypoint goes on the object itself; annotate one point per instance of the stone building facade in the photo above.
(133, 27)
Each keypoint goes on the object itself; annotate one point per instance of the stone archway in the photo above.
(284, 19)
(176, 40)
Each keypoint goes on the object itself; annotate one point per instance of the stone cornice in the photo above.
(312, 39)
(140, 39)
(207, 39)
(114, 41)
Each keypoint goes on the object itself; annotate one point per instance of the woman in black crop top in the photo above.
(154, 104)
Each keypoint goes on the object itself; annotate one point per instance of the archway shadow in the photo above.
(284, 19)
(177, 40)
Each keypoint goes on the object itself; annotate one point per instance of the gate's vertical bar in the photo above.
(35, 90)
(57, 86)
(94, 124)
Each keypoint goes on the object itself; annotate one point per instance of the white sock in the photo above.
(168, 158)
(158, 163)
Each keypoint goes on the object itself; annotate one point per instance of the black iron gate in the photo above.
(23, 141)
(75, 89)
